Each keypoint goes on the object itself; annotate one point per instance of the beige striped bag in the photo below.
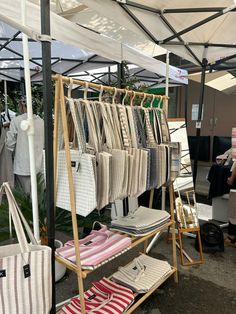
(25, 269)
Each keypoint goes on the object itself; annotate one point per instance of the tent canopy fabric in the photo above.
(92, 43)
(222, 81)
(77, 36)
(109, 75)
(191, 29)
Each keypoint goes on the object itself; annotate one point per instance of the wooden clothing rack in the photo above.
(60, 108)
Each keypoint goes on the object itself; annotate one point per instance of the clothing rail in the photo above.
(98, 87)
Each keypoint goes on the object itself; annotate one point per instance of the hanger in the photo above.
(114, 95)
(100, 94)
(144, 97)
(132, 99)
(126, 94)
(86, 90)
(70, 88)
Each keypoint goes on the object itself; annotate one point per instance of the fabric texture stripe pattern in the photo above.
(104, 297)
(96, 248)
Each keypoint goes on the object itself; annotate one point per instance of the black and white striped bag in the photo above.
(25, 269)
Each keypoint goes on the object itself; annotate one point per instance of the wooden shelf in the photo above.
(135, 241)
(143, 296)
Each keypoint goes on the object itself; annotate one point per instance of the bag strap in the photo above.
(93, 139)
(142, 141)
(149, 130)
(117, 124)
(14, 210)
(157, 125)
(124, 126)
(106, 126)
(133, 126)
(78, 123)
(114, 124)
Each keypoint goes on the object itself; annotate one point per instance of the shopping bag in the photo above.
(83, 167)
(104, 159)
(25, 269)
(142, 273)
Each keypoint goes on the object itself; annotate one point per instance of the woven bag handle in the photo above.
(76, 116)
(18, 219)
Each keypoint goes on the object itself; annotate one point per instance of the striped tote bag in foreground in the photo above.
(104, 297)
(25, 269)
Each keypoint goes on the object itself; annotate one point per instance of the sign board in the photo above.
(195, 109)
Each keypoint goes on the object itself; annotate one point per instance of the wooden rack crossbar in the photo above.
(98, 87)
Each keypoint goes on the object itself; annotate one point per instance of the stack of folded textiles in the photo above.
(99, 247)
(143, 273)
(104, 297)
(141, 222)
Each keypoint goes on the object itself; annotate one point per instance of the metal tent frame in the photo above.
(179, 41)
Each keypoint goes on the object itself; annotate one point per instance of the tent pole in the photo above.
(48, 131)
(186, 104)
(28, 126)
(5, 96)
(198, 123)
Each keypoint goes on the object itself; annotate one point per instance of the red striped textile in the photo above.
(105, 297)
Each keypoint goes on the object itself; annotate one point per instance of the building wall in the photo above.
(219, 114)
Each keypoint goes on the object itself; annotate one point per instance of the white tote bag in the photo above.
(83, 168)
(25, 269)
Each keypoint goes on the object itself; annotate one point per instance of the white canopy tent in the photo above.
(190, 29)
(69, 33)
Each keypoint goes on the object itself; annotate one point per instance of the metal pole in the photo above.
(48, 128)
(28, 126)
(186, 104)
(198, 123)
(5, 97)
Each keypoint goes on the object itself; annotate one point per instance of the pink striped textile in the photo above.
(234, 144)
(97, 247)
(105, 297)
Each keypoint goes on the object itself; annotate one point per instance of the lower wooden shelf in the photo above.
(144, 296)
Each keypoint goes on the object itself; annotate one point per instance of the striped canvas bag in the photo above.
(104, 297)
(25, 269)
(83, 167)
(119, 160)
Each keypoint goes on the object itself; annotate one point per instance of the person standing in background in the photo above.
(17, 142)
